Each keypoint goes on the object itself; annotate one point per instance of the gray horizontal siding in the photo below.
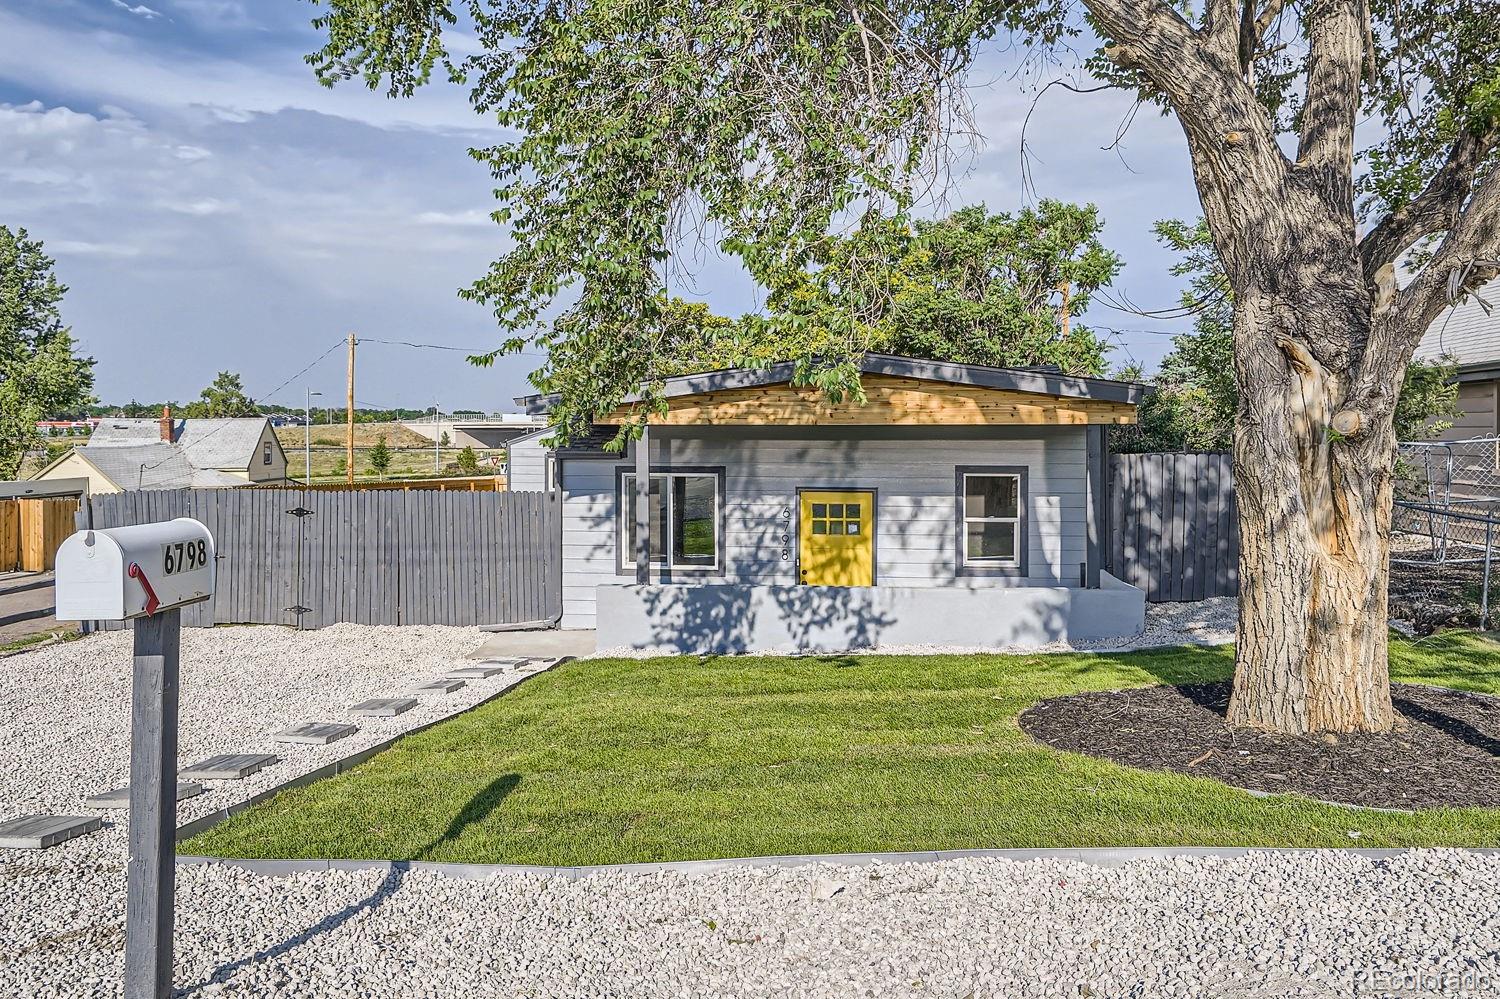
(915, 534)
(527, 465)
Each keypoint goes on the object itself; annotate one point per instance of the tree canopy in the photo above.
(768, 123)
(41, 374)
(224, 398)
(973, 287)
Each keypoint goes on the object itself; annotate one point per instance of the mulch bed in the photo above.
(1446, 750)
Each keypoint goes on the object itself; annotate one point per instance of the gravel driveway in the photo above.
(1256, 926)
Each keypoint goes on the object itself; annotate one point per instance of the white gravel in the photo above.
(1202, 622)
(1265, 925)
(65, 709)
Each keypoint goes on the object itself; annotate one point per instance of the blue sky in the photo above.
(211, 207)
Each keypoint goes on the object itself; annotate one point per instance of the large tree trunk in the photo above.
(1315, 512)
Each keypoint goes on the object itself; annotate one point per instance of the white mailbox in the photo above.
(121, 573)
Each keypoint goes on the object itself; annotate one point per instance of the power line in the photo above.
(278, 388)
(426, 346)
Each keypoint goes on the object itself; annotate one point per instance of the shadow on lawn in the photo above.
(477, 810)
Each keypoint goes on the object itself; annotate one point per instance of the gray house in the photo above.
(960, 505)
(1468, 335)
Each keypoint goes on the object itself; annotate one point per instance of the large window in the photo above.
(992, 519)
(683, 520)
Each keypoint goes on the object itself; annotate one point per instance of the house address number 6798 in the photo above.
(183, 556)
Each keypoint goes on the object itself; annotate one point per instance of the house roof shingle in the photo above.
(156, 465)
(208, 443)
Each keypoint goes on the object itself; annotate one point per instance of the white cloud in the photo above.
(471, 217)
(139, 10)
(215, 13)
(84, 248)
(114, 67)
(199, 206)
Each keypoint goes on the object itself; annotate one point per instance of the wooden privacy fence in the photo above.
(1173, 527)
(31, 531)
(366, 556)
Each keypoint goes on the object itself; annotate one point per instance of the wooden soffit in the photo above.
(891, 401)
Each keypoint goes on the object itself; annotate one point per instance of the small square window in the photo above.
(851, 510)
(851, 527)
(820, 527)
(820, 509)
(836, 511)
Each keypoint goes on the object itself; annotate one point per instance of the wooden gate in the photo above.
(31, 531)
(1173, 524)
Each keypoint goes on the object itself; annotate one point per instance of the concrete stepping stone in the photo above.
(37, 832)
(120, 796)
(383, 707)
(228, 766)
(500, 660)
(441, 686)
(315, 733)
(475, 672)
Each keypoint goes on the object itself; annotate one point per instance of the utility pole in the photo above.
(349, 457)
(437, 438)
(307, 435)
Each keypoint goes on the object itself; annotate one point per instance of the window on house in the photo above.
(265, 454)
(992, 506)
(683, 520)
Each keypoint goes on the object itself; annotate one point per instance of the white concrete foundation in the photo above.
(718, 618)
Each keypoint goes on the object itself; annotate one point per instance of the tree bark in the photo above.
(1314, 517)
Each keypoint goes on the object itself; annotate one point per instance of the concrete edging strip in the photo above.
(1095, 856)
(195, 826)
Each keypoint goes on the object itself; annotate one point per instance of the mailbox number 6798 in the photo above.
(184, 556)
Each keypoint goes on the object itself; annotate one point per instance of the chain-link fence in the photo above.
(1446, 516)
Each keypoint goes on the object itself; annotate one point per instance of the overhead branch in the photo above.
(1335, 61)
(1470, 249)
(1222, 27)
(1239, 166)
(1267, 18)
(1435, 209)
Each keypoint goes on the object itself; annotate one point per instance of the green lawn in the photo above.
(668, 759)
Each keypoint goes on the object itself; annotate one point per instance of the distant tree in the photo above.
(380, 456)
(340, 467)
(41, 374)
(225, 398)
(445, 440)
(468, 461)
(975, 287)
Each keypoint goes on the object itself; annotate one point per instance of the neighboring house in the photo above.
(124, 455)
(963, 505)
(1469, 336)
(531, 465)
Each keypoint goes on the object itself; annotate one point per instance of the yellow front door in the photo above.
(837, 539)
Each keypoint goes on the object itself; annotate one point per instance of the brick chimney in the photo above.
(166, 424)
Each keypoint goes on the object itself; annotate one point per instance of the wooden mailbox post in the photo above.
(146, 574)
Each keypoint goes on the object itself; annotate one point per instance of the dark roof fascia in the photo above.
(1479, 371)
(979, 375)
(1013, 379)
